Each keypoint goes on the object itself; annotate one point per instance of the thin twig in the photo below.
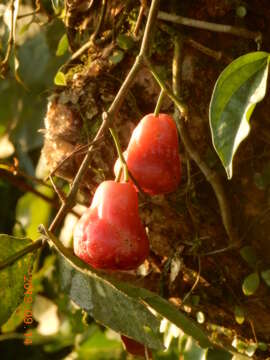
(182, 107)
(139, 18)
(24, 186)
(159, 102)
(30, 248)
(211, 176)
(229, 29)
(100, 21)
(217, 55)
(112, 111)
(123, 164)
(81, 148)
(146, 354)
(57, 190)
(195, 283)
(4, 63)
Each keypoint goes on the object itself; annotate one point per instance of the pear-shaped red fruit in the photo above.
(110, 234)
(133, 347)
(152, 155)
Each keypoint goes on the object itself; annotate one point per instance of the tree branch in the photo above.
(212, 177)
(199, 24)
(112, 111)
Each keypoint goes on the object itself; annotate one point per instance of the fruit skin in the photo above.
(110, 234)
(133, 347)
(152, 155)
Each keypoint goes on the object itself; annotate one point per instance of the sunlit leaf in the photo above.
(238, 89)
(60, 79)
(239, 315)
(62, 47)
(12, 277)
(251, 284)
(32, 210)
(99, 347)
(111, 306)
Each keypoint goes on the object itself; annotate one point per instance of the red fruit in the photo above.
(152, 155)
(110, 234)
(133, 347)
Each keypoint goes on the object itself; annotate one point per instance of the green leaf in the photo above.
(32, 210)
(60, 79)
(249, 255)
(239, 315)
(99, 347)
(218, 354)
(109, 301)
(251, 284)
(116, 57)
(111, 306)
(180, 319)
(125, 42)
(192, 351)
(12, 277)
(238, 89)
(266, 276)
(62, 47)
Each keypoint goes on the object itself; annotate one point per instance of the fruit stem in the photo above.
(159, 102)
(120, 155)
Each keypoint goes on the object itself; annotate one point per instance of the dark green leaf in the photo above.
(109, 301)
(187, 325)
(111, 306)
(218, 354)
(266, 276)
(249, 255)
(12, 277)
(238, 89)
(251, 284)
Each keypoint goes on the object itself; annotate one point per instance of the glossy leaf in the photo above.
(251, 284)
(238, 89)
(12, 277)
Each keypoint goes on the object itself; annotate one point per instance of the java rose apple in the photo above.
(152, 155)
(110, 234)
